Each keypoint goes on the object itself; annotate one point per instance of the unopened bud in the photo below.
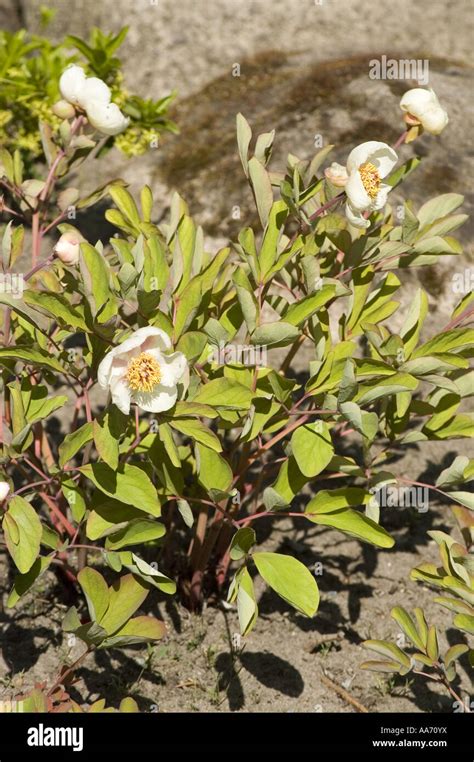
(4, 490)
(67, 248)
(64, 110)
(336, 174)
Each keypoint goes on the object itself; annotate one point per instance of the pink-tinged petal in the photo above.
(155, 338)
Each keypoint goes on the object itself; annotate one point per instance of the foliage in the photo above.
(30, 68)
(455, 575)
(169, 497)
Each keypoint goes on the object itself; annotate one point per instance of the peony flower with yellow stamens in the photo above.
(367, 165)
(142, 370)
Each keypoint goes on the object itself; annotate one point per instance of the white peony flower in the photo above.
(366, 166)
(71, 83)
(143, 371)
(94, 90)
(422, 106)
(106, 117)
(67, 248)
(336, 174)
(4, 490)
(93, 96)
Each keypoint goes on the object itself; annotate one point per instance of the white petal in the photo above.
(381, 198)
(172, 368)
(434, 120)
(155, 338)
(4, 490)
(360, 154)
(106, 117)
(105, 366)
(143, 340)
(417, 100)
(94, 89)
(355, 218)
(71, 83)
(375, 152)
(121, 395)
(357, 195)
(161, 398)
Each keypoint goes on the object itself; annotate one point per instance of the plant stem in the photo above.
(60, 680)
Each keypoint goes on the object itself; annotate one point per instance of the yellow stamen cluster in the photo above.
(143, 373)
(370, 179)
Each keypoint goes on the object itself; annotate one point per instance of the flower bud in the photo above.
(67, 248)
(4, 490)
(106, 118)
(422, 106)
(336, 174)
(94, 90)
(64, 109)
(71, 83)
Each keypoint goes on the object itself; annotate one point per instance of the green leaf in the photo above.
(126, 595)
(23, 531)
(198, 432)
(278, 334)
(455, 652)
(290, 579)
(140, 629)
(464, 622)
(135, 533)
(148, 573)
(241, 543)
(31, 357)
(269, 249)
(244, 136)
(125, 203)
(129, 484)
(432, 648)
(388, 649)
(186, 513)
(262, 189)
(105, 442)
(73, 442)
(23, 582)
(246, 604)
(213, 471)
(224, 392)
(96, 591)
(408, 626)
(288, 483)
(362, 421)
(312, 447)
(96, 277)
(299, 312)
(438, 207)
(355, 524)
